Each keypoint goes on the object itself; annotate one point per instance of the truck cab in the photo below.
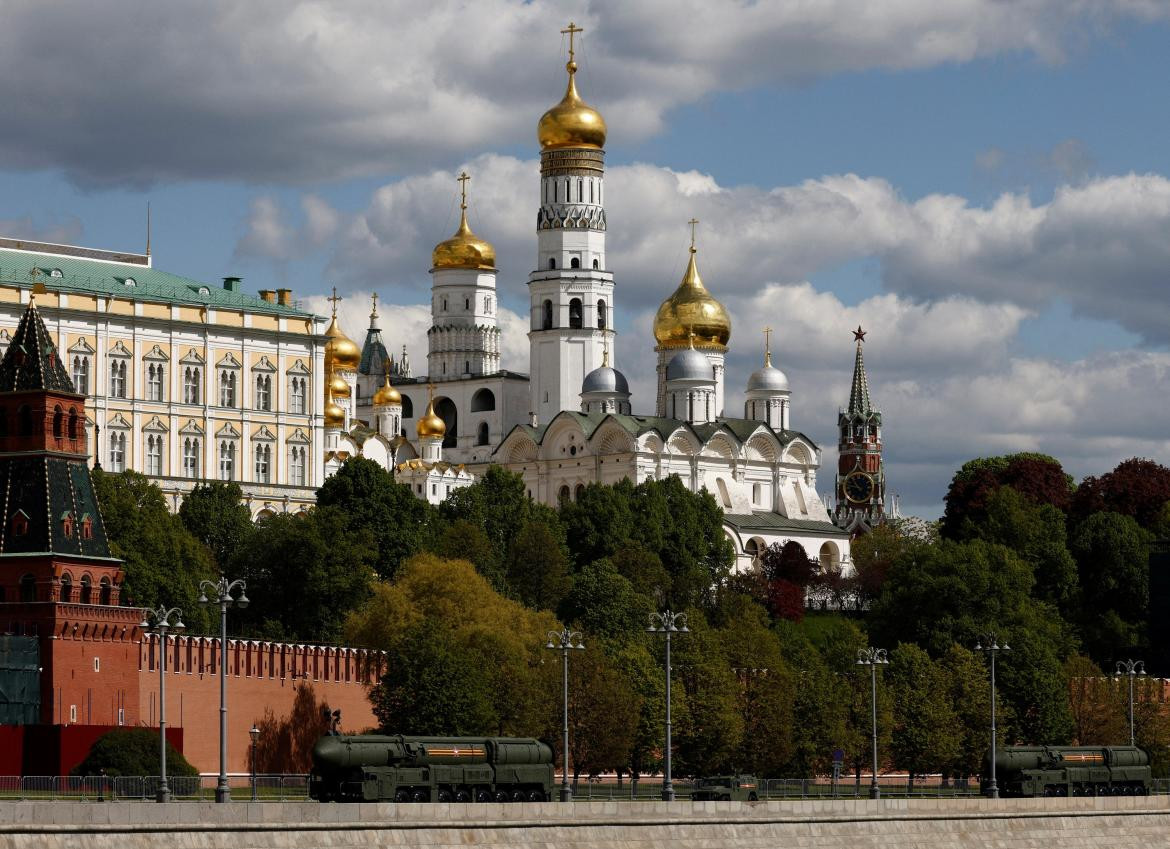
(726, 788)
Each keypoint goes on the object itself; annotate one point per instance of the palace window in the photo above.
(602, 317)
(86, 589)
(81, 374)
(575, 312)
(546, 316)
(154, 454)
(227, 460)
(155, 376)
(118, 379)
(263, 464)
(296, 465)
(191, 382)
(296, 395)
(191, 457)
(575, 262)
(117, 452)
(227, 388)
(263, 392)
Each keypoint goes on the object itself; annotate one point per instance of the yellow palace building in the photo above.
(186, 381)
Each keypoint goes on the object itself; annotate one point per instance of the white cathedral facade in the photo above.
(571, 421)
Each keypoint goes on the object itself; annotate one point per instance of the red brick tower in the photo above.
(58, 580)
(861, 479)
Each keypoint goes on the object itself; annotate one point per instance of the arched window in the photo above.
(191, 385)
(191, 457)
(28, 588)
(580, 190)
(596, 263)
(407, 407)
(118, 379)
(263, 464)
(104, 591)
(117, 452)
(296, 395)
(72, 428)
(263, 392)
(602, 317)
(552, 263)
(81, 374)
(227, 460)
(483, 401)
(575, 262)
(546, 316)
(58, 423)
(155, 373)
(575, 312)
(445, 409)
(154, 454)
(563, 494)
(467, 303)
(579, 492)
(24, 415)
(227, 388)
(296, 465)
(86, 589)
(444, 304)
(482, 434)
(66, 588)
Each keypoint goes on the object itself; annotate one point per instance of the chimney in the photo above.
(268, 296)
(284, 297)
(232, 284)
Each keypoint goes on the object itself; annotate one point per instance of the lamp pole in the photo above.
(1131, 668)
(565, 641)
(873, 658)
(220, 593)
(254, 733)
(162, 621)
(668, 622)
(990, 643)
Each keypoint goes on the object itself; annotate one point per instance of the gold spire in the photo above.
(767, 347)
(430, 426)
(387, 394)
(464, 249)
(341, 352)
(691, 310)
(572, 122)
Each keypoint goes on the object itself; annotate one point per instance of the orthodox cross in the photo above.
(374, 298)
(335, 300)
(768, 346)
(463, 178)
(571, 31)
(693, 222)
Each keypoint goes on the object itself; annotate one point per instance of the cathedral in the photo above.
(571, 421)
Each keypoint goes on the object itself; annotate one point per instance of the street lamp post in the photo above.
(668, 622)
(162, 621)
(220, 593)
(1132, 668)
(873, 658)
(989, 643)
(254, 733)
(565, 641)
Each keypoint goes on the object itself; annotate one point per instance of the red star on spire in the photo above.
(859, 334)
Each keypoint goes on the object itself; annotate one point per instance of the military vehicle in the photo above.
(1070, 771)
(726, 788)
(373, 767)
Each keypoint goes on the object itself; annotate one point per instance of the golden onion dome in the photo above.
(334, 415)
(341, 352)
(464, 249)
(691, 310)
(572, 122)
(430, 425)
(338, 388)
(387, 394)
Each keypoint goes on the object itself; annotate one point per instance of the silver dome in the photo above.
(768, 379)
(689, 364)
(605, 379)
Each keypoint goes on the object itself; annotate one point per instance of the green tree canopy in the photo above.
(1112, 555)
(215, 514)
(604, 603)
(926, 736)
(1037, 477)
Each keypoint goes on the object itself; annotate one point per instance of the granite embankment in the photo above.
(1105, 823)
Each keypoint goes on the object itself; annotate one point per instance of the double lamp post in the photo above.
(222, 592)
(565, 641)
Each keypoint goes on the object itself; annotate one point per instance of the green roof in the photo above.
(763, 520)
(90, 277)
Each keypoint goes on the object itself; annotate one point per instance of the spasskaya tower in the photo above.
(861, 479)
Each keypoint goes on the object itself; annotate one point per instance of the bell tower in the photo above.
(571, 290)
(861, 478)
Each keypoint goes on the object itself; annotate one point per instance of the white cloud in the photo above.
(285, 92)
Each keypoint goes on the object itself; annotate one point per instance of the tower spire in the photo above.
(859, 394)
(374, 311)
(767, 347)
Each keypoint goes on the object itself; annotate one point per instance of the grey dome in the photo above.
(605, 379)
(768, 379)
(689, 364)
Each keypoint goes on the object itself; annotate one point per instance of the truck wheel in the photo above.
(501, 796)
(752, 797)
(401, 796)
(535, 796)
(418, 796)
(462, 795)
(444, 795)
(517, 795)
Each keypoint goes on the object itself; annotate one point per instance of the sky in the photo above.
(983, 185)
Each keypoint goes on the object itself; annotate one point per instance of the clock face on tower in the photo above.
(858, 487)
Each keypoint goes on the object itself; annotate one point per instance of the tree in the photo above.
(462, 540)
(926, 735)
(873, 555)
(1112, 555)
(131, 751)
(820, 702)
(602, 602)
(214, 513)
(369, 497)
(305, 574)
(164, 563)
(285, 745)
(1136, 488)
(713, 731)
(1097, 706)
(969, 690)
(1037, 477)
(499, 504)
(603, 713)
(788, 570)
(538, 566)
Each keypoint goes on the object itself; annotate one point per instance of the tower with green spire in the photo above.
(861, 479)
